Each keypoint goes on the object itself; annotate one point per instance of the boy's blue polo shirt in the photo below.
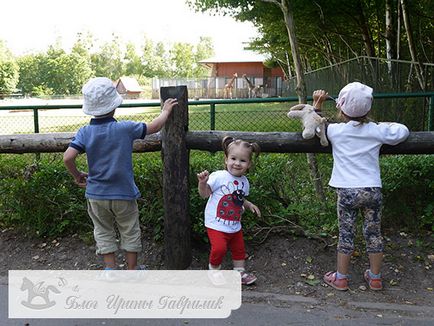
(108, 144)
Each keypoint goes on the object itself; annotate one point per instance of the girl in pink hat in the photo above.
(356, 144)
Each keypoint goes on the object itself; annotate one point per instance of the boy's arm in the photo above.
(203, 187)
(158, 123)
(251, 207)
(69, 160)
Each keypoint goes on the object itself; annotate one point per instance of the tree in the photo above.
(132, 61)
(9, 71)
(53, 72)
(181, 60)
(29, 72)
(287, 13)
(204, 50)
(108, 61)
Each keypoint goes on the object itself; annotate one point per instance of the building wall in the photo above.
(248, 68)
(254, 69)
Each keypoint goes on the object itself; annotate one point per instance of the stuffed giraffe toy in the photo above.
(253, 90)
(313, 124)
(229, 86)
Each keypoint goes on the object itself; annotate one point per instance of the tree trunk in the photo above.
(301, 91)
(398, 31)
(411, 46)
(390, 52)
(366, 33)
(299, 71)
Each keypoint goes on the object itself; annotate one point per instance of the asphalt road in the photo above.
(264, 309)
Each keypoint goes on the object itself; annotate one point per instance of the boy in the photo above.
(111, 192)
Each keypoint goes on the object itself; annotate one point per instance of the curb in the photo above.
(276, 298)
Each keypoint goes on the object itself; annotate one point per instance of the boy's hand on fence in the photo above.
(169, 104)
(81, 180)
(203, 176)
(319, 96)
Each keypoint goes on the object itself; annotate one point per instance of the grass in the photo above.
(241, 117)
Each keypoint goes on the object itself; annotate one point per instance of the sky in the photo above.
(29, 26)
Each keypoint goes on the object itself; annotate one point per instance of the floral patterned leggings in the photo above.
(350, 201)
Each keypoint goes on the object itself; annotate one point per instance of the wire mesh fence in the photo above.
(237, 115)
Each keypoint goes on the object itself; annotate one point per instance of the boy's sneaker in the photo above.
(247, 278)
(375, 284)
(338, 284)
(108, 274)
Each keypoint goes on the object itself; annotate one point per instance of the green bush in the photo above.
(40, 196)
(408, 190)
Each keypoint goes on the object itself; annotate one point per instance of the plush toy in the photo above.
(313, 124)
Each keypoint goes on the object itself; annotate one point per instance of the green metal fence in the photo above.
(269, 114)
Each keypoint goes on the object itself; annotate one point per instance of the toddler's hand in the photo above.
(203, 176)
(252, 207)
(319, 96)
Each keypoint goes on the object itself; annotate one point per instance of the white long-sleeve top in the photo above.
(356, 150)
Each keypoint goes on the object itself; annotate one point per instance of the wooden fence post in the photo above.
(175, 181)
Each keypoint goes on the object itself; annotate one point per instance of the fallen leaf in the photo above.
(309, 259)
(312, 282)
(303, 275)
(393, 282)
(429, 289)
(311, 277)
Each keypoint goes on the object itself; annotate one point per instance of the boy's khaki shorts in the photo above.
(104, 215)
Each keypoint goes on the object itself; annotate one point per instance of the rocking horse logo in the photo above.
(37, 290)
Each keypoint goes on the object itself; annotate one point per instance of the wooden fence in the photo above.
(175, 141)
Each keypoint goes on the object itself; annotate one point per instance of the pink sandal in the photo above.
(375, 284)
(338, 284)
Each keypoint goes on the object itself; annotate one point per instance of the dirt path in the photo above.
(283, 265)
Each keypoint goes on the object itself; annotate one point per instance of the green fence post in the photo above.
(212, 116)
(431, 114)
(36, 120)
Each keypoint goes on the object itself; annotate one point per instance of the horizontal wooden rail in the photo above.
(273, 142)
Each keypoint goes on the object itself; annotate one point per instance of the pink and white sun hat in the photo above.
(355, 99)
(100, 96)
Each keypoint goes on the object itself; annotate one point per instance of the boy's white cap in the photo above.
(100, 96)
(355, 99)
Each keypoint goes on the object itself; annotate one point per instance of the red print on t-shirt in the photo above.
(230, 207)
